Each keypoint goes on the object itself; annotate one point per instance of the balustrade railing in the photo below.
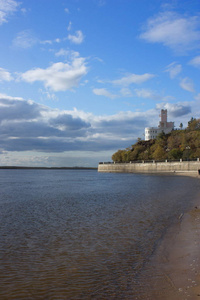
(150, 161)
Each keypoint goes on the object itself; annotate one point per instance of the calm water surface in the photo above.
(69, 234)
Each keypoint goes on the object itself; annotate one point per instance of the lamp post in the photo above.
(188, 150)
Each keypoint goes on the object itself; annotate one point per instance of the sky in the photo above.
(80, 79)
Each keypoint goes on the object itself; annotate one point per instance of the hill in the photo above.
(181, 143)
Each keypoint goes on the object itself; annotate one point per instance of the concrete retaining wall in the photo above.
(151, 167)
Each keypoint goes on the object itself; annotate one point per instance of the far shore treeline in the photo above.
(180, 143)
(47, 168)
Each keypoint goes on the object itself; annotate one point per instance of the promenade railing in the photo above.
(151, 161)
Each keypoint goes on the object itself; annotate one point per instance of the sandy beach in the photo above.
(176, 262)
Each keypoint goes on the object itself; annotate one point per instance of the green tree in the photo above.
(194, 124)
(118, 156)
(159, 153)
(126, 155)
(187, 153)
(174, 140)
(190, 122)
(175, 154)
(134, 155)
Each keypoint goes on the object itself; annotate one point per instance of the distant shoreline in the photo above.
(47, 168)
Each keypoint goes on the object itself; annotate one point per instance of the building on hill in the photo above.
(164, 126)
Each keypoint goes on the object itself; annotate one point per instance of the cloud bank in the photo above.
(28, 126)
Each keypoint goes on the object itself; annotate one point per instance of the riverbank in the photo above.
(152, 167)
(176, 262)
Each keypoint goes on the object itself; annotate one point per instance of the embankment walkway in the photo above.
(181, 167)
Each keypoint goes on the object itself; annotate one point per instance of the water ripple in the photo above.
(82, 235)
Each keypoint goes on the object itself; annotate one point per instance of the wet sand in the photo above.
(176, 263)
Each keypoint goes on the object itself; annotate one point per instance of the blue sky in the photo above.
(80, 79)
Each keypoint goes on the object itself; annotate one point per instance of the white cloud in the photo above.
(195, 61)
(5, 75)
(197, 97)
(77, 38)
(104, 92)
(69, 26)
(173, 69)
(180, 33)
(59, 76)
(25, 39)
(7, 8)
(176, 109)
(50, 42)
(187, 84)
(62, 52)
(133, 78)
(126, 92)
(48, 95)
(101, 2)
(71, 54)
(149, 94)
(24, 10)
(144, 93)
(10, 98)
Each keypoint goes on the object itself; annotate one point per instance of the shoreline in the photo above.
(189, 174)
(176, 261)
(153, 166)
(45, 168)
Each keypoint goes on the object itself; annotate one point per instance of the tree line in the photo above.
(182, 143)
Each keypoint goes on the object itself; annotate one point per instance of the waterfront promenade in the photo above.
(179, 166)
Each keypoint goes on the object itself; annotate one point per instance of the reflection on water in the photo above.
(82, 234)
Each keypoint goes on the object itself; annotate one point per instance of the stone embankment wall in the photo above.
(152, 167)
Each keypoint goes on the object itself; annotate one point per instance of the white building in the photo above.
(164, 126)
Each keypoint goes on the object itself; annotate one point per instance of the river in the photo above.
(80, 234)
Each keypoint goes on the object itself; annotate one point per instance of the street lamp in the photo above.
(187, 148)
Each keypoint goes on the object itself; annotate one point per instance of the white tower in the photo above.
(164, 126)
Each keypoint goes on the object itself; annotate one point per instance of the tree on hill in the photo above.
(159, 153)
(194, 124)
(178, 144)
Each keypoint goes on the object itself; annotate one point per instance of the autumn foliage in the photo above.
(183, 143)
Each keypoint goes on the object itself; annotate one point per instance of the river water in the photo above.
(70, 234)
